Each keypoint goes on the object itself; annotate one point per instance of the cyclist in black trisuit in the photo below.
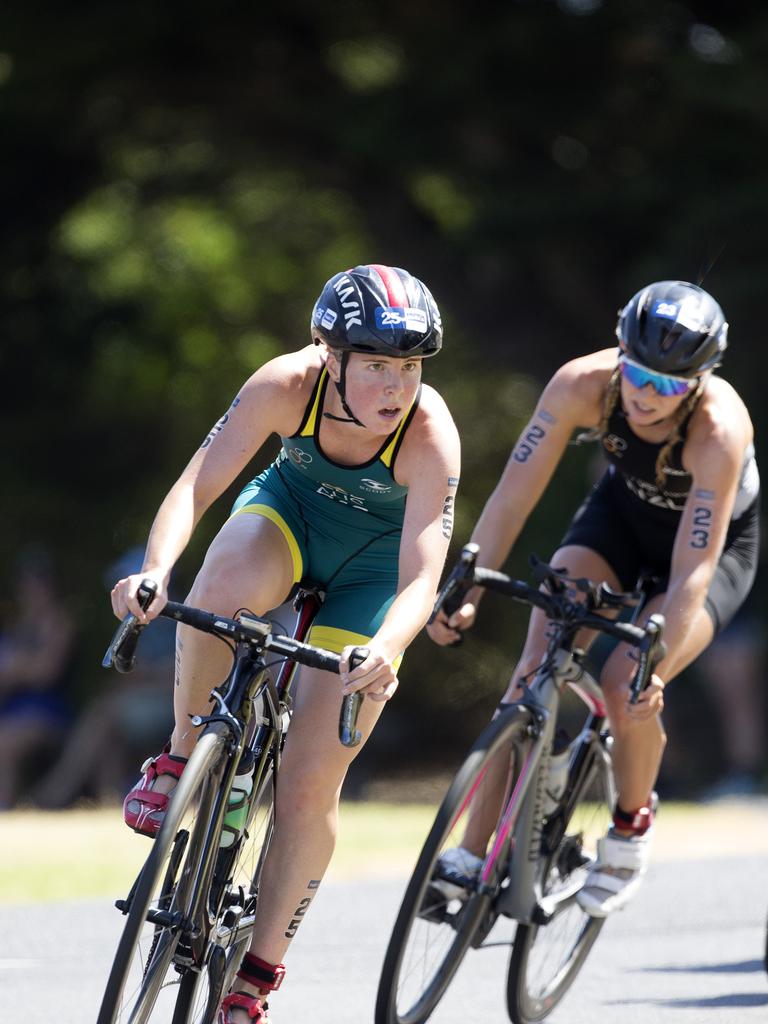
(679, 497)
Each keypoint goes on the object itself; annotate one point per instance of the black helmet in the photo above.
(380, 309)
(673, 327)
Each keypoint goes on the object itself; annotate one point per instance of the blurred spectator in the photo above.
(733, 668)
(36, 657)
(122, 725)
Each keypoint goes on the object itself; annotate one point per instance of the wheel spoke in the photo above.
(546, 958)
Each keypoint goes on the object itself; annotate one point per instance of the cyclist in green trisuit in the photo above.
(359, 433)
(679, 498)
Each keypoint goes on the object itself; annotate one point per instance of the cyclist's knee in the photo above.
(616, 691)
(227, 581)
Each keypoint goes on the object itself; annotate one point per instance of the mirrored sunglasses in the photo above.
(662, 383)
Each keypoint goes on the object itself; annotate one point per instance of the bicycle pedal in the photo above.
(434, 907)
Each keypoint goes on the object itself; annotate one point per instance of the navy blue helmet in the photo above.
(373, 308)
(674, 327)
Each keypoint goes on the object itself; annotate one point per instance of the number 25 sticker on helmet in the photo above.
(673, 327)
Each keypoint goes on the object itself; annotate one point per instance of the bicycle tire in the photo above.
(547, 958)
(201, 991)
(421, 905)
(166, 880)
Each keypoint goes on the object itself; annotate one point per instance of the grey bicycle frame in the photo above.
(523, 900)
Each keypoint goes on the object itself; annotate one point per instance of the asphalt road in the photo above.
(687, 951)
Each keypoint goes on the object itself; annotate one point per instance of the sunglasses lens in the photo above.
(664, 386)
(667, 386)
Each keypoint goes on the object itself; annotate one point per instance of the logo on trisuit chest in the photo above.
(341, 496)
(298, 456)
(374, 486)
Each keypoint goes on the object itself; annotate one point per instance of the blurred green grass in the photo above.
(84, 854)
(90, 854)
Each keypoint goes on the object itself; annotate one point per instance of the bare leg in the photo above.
(488, 802)
(639, 746)
(311, 775)
(248, 565)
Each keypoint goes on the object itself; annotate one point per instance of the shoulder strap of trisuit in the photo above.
(308, 423)
(389, 454)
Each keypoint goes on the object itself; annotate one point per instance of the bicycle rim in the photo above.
(150, 958)
(546, 958)
(237, 875)
(442, 912)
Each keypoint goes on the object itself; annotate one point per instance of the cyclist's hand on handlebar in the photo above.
(650, 702)
(125, 600)
(447, 629)
(375, 677)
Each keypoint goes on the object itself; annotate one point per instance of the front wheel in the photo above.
(235, 891)
(547, 957)
(445, 907)
(150, 958)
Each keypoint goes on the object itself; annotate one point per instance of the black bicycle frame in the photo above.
(248, 680)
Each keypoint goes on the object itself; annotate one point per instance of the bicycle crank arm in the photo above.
(547, 906)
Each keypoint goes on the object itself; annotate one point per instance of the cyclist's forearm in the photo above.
(172, 529)
(496, 531)
(682, 604)
(407, 616)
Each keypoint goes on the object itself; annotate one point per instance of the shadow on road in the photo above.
(740, 967)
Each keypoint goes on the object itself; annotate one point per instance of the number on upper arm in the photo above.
(702, 523)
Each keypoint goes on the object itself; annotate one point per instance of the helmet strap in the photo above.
(341, 387)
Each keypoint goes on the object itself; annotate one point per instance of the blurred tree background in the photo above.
(178, 181)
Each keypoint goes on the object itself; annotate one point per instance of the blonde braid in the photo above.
(685, 408)
(610, 398)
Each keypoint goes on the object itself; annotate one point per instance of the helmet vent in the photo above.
(669, 339)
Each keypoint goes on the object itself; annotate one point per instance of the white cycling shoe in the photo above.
(616, 875)
(455, 873)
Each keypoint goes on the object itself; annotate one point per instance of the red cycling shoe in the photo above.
(143, 808)
(252, 1005)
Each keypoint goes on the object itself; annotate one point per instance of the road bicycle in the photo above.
(190, 913)
(544, 799)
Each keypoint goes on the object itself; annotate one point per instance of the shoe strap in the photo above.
(164, 764)
(259, 972)
(637, 821)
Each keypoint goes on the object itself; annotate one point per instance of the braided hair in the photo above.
(682, 412)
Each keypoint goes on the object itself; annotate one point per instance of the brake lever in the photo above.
(121, 653)
(461, 578)
(649, 655)
(349, 734)
(556, 580)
